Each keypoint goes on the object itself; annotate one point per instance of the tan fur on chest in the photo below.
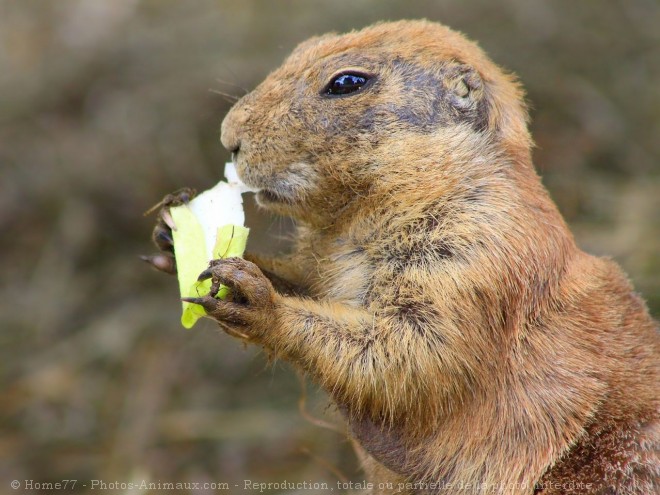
(343, 276)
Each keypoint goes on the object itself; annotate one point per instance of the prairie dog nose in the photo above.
(232, 128)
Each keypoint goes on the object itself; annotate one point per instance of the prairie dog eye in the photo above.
(346, 83)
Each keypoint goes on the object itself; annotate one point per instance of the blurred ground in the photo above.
(106, 106)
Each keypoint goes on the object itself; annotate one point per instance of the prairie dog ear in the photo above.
(463, 84)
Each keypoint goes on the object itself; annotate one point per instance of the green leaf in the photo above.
(230, 241)
(191, 256)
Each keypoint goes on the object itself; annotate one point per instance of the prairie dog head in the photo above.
(345, 113)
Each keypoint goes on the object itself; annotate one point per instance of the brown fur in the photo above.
(450, 315)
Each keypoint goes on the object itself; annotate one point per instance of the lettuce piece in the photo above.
(209, 227)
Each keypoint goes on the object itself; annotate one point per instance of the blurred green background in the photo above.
(105, 106)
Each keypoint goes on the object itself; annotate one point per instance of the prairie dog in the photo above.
(471, 346)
